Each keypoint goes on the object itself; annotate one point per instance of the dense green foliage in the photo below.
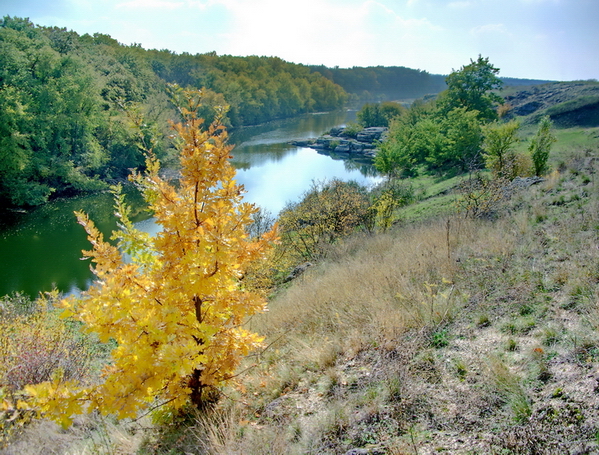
(445, 134)
(73, 108)
(472, 87)
(379, 114)
(500, 139)
(437, 142)
(541, 145)
(258, 89)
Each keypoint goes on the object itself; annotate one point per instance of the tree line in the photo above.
(383, 83)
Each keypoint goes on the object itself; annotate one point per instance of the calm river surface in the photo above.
(40, 249)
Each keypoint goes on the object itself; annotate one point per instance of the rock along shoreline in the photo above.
(337, 141)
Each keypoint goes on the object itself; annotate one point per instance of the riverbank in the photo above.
(40, 248)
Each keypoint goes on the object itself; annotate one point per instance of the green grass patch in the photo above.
(434, 206)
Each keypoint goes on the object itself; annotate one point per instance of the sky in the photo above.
(536, 39)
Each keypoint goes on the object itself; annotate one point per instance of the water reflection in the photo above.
(274, 183)
(40, 249)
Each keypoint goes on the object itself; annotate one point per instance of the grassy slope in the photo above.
(445, 335)
(479, 337)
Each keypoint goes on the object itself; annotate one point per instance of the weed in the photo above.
(511, 345)
(483, 321)
(509, 386)
(549, 336)
(461, 368)
(440, 338)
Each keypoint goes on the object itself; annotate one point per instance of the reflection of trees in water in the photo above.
(302, 127)
(363, 164)
(247, 156)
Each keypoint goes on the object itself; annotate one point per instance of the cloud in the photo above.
(335, 33)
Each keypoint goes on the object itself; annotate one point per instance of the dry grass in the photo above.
(450, 336)
(372, 289)
(382, 347)
(89, 435)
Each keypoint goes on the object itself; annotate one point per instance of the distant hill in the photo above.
(567, 103)
(387, 83)
(383, 83)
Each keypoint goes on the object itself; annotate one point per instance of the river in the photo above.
(40, 248)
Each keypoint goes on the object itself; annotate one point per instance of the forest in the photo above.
(383, 83)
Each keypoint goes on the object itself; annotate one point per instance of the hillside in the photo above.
(384, 83)
(74, 108)
(567, 103)
(444, 334)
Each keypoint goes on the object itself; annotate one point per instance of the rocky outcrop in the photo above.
(338, 141)
(567, 103)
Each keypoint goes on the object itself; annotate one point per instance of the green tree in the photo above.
(399, 153)
(461, 147)
(440, 143)
(499, 141)
(379, 114)
(540, 146)
(472, 87)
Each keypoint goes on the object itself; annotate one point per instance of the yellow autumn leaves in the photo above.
(175, 308)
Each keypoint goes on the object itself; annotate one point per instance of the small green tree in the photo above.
(498, 144)
(540, 146)
(403, 150)
(459, 143)
(411, 137)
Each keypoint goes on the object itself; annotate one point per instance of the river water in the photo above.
(40, 248)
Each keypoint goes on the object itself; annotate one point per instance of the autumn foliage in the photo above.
(175, 302)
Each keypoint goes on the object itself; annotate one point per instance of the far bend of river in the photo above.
(41, 248)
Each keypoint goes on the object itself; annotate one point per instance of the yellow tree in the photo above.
(177, 304)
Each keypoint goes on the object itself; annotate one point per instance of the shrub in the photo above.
(327, 211)
(481, 196)
(390, 196)
(35, 343)
(499, 141)
(352, 130)
(541, 145)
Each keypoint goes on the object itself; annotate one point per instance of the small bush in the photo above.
(481, 196)
(352, 130)
(387, 198)
(36, 343)
(328, 211)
